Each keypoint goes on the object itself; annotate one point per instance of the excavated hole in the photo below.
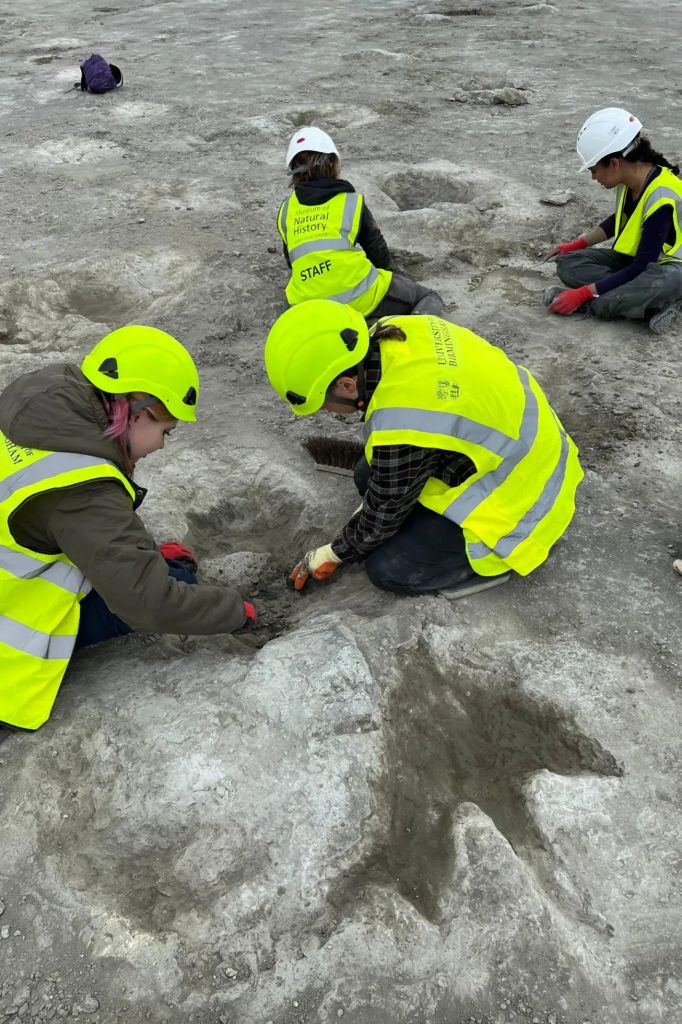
(450, 741)
(323, 116)
(415, 190)
(100, 303)
(268, 525)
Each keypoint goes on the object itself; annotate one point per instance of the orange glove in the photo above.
(320, 564)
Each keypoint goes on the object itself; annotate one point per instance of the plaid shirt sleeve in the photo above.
(397, 477)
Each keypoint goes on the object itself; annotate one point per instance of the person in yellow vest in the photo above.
(640, 277)
(77, 565)
(332, 243)
(468, 474)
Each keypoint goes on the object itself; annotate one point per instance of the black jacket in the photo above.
(319, 190)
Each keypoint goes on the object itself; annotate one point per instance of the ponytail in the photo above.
(644, 151)
(387, 332)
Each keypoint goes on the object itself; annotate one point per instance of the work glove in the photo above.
(563, 247)
(567, 302)
(174, 552)
(250, 620)
(320, 564)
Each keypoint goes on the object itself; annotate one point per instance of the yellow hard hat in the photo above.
(309, 346)
(136, 358)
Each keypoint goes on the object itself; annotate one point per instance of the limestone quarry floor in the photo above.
(373, 809)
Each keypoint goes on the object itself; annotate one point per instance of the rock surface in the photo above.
(376, 809)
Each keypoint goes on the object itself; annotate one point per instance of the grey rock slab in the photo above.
(399, 808)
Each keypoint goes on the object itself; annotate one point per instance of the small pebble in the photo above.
(295, 1003)
(2, 908)
(558, 198)
(4, 932)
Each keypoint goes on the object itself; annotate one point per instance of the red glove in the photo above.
(567, 302)
(174, 552)
(250, 620)
(563, 247)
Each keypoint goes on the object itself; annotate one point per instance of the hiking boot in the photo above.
(663, 321)
(473, 585)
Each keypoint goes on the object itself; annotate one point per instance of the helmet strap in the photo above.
(361, 400)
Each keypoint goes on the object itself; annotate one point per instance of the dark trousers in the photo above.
(427, 552)
(648, 293)
(98, 623)
(405, 296)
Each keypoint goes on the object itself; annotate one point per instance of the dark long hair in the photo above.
(645, 152)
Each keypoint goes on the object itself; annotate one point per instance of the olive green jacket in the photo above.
(94, 523)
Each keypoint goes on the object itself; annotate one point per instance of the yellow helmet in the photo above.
(309, 346)
(145, 359)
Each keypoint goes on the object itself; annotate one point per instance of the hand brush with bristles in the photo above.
(333, 454)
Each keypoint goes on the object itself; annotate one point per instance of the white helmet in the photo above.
(312, 140)
(610, 130)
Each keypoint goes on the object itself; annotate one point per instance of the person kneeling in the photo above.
(468, 474)
(77, 566)
(332, 243)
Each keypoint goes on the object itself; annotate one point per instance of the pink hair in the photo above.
(118, 412)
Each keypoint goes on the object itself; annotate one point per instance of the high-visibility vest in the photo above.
(664, 190)
(326, 262)
(448, 389)
(39, 594)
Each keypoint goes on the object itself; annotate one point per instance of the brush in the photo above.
(334, 455)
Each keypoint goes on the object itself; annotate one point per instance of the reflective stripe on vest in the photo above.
(39, 593)
(510, 450)
(520, 498)
(664, 190)
(44, 469)
(429, 421)
(326, 260)
(62, 574)
(32, 641)
(533, 516)
(349, 207)
(359, 290)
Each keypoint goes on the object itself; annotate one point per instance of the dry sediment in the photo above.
(376, 808)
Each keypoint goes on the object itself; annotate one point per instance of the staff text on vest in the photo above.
(314, 271)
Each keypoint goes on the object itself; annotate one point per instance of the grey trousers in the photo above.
(406, 296)
(653, 290)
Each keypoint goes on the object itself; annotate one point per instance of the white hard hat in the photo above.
(610, 130)
(312, 140)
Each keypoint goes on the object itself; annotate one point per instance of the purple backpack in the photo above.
(97, 75)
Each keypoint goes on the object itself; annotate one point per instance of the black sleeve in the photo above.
(608, 226)
(285, 251)
(372, 241)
